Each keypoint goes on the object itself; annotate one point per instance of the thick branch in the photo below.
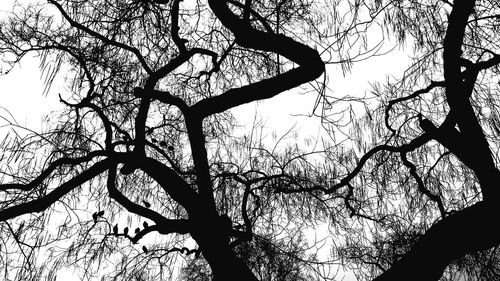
(170, 181)
(41, 204)
(202, 168)
(173, 226)
(458, 91)
(461, 233)
(163, 224)
(149, 90)
(310, 64)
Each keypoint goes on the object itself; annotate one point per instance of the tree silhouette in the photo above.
(140, 174)
(143, 147)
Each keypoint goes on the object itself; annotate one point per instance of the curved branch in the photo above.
(415, 94)
(414, 144)
(174, 63)
(163, 225)
(310, 64)
(421, 185)
(179, 42)
(146, 93)
(99, 111)
(164, 97)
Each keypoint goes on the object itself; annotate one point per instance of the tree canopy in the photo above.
(145, 175)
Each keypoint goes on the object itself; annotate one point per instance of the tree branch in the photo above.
(421, 185)
(461, 233)
(458, 92)
(415, 94)
(41, 204)
(52, 166)
(310, 64)
(163, 225)
(172, 183)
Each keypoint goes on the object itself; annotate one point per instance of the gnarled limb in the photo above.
(310, 64)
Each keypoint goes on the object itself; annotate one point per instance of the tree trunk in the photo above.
(226, 266)
(223, 261)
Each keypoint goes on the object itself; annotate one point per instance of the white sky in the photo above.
(21, 89)
(21, 94)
